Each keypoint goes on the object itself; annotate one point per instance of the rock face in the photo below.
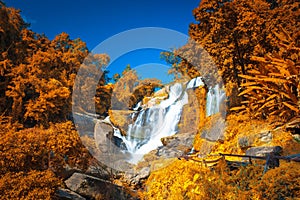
(121, 119)
(101, 133)
(262, 138)
(176, 145)
(84, 122)
(214, 130)
(105, 139)
(95, 188)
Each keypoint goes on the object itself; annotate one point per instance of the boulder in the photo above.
(84, 122)
(106, 142)
(95, 188)
(99, 170)
(205, 148)
(263, 151)
(67, 171)
(245, 142)
(66, 194)
(265, 136)
(215, 133)
(176, 145)
(138, 176)
(214, 129)
(262, 138)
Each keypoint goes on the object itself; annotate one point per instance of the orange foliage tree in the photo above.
(37, 142)
(234, 31)
(273, 89)
(129, 89)
(33, 160)
(36, 74)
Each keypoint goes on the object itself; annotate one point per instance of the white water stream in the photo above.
(153, 123)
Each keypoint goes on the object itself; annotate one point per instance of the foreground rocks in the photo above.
(66, 194)
(263, 151)
(176, 145)
(96, 188)
(94, 183)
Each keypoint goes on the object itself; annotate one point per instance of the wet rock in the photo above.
(66, 194)
(95, 188)
(105, 139)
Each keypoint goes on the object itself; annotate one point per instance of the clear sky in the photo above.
(94, 21)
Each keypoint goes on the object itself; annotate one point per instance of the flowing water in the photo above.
(161, 120)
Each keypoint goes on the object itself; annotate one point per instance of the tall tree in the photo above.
(234, 31)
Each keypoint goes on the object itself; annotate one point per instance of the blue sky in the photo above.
(95, 21)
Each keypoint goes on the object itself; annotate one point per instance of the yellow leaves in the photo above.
(269, 91)
(282, 182)
(250, 89)
(31, 185)
(189, 180)
(196, 176)
(29, 149)
(291, 106)
(274, 80)
(41, 74)
(238, 108)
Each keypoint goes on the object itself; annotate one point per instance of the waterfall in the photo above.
(161, 120)
(155, 122)
(214, 100)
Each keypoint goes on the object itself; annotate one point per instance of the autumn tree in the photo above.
(129, 89)
(33, 160)
(273, 89)
(90, 88)
(40, 86)
(38, 140)
(11, 25)
(232, 32)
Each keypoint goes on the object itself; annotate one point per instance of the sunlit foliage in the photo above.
(37, 74)
(29, 185)
(130, 89)
(191, 180)
(40, 149)
(32, 161)
(273, 89)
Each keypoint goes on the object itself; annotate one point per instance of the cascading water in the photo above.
(161, 120)
(214, 100)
